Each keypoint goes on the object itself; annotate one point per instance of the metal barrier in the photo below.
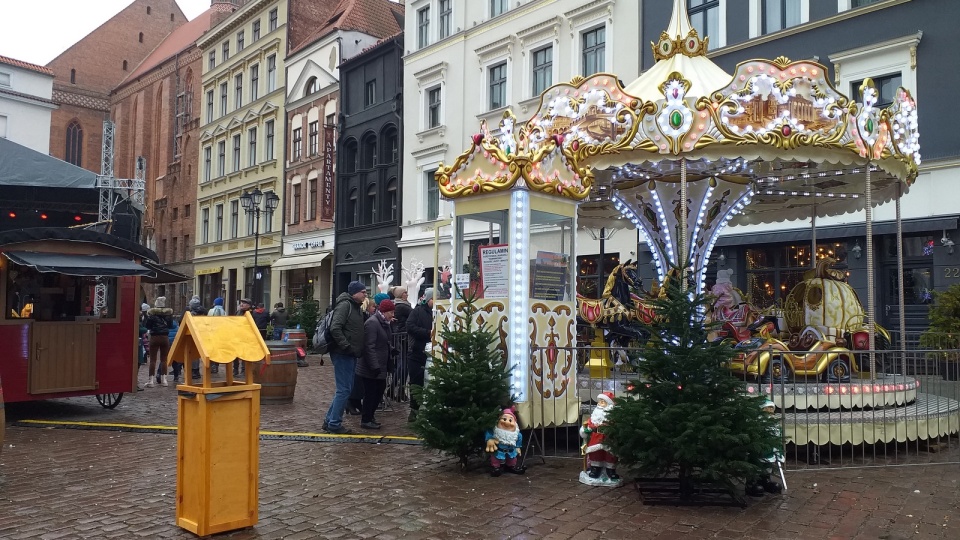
(397, 377)
(834, 410)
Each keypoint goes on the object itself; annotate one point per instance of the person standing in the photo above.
(403, 308)
(216, 311)
(159, 322)
(195, 307)
(244, 307)
(347, 332)
(279, 320)
(177, 366)
(372, 366)
(419, 329)
(262, 318)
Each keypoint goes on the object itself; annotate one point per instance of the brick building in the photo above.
(157, 112)
(87, 72)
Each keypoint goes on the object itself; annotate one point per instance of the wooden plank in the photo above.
(63, 358)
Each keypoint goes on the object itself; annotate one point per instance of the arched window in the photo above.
(368, 151)
(392, 198)
(74, 148)
(389, 148)
(124, 65)
(350, 156)
(188, 96)
(73, 76)
(371, 204)
(311, 86)
(353, 210)
(141, 37)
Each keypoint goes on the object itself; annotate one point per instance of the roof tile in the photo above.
(25, 65)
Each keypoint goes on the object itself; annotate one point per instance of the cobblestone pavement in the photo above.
(65, 483)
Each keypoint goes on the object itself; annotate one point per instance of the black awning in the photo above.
(78, 265)
(910, 226)
(162, 274)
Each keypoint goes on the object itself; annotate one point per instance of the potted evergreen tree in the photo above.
(686, 420)
(943, 333)
(467, 387)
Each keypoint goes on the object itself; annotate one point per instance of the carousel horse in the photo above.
(620, 311)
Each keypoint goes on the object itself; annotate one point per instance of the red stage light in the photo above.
(77, 218)
(13, 214)
(43, 216)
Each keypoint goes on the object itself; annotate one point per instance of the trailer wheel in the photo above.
(109, 401)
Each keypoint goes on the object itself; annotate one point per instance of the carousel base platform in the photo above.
(927, 417)
(885, 390)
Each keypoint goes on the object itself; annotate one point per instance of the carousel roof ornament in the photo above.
(686, 148)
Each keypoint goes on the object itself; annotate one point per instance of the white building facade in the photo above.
(468, 62)
(26, 92)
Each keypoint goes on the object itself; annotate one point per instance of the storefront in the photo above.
(304, 266)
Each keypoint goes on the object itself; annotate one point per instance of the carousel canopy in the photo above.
(687, 149)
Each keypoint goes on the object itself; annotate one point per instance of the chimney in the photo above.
(222, 9)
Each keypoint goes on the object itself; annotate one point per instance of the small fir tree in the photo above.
(305, 312)
(686, 415)
(467, 388)
(944, 330)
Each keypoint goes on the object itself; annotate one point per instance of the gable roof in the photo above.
(219, 339)
(378, 18)
(180, 39)
(22, 166)
(25, 65)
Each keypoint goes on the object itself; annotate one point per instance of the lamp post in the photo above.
(251, 206)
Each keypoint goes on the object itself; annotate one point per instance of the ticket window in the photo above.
(55, 297)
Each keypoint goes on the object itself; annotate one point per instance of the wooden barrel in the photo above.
(279, 379)
(296, 336)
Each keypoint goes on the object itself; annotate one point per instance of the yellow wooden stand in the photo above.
(218, 425)
(600, 366)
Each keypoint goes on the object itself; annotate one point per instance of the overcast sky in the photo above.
(37, 31)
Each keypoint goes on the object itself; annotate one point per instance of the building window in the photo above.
(773, 271)
(212, 60)
(209, 105)
(297, 147)
(73, 77)
(186, 211)
(705, 18)
(254, 82)
(207, 151)
(594, 51)
(256, 29)
(140, 37)
(780, 14)
(498, 85)
(542, 69)
(314, 137)
(240, 41)
(226, 50)
(252, 150)
(446, 18)
(392, 198)
(371, 204)
(370, 93)
(268, 216)
(271, 73)
(176, 213)
(124, 65)
(350, 155)
(74, 145)
(589, 280)
(234, 219)
(238, 91)
(353, 210)
(273, 19)
(433, 107)
(204, 225)
(368, 152)
(389, 146)
(497, 7)
(295, 204)
(223, 99)
(312, 199)
(311, 86)
(861, 3)
(433, 196)
(236, 152)
(886, 89)
(221, 158)
(250, 222)
(268, 149)
(423, 27)
(219, 222)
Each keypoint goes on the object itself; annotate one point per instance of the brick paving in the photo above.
(63, 483)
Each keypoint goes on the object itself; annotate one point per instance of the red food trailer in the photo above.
(54, 344)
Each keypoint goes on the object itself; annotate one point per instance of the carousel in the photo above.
(679, 154)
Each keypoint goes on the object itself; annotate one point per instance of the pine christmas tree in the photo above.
(944, 330)
(306, 313)
(467, 388)
(687, 416)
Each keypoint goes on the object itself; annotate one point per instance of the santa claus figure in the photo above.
(503, 444)
(601, 464)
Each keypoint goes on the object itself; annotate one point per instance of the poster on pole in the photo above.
(495, 270)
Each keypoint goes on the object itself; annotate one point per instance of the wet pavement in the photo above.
(93, 483)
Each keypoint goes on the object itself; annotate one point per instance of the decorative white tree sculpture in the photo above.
(413, 279)
(384, 273)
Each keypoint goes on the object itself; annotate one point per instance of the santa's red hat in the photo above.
(606, 396)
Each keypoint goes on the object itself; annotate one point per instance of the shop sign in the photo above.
(326, 201)
(307, 244)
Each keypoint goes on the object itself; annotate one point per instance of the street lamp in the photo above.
(251, 206)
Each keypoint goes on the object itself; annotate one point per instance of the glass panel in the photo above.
(55, 297)
(551, 266)
(761, 288)
(474, 234)
(917, 285)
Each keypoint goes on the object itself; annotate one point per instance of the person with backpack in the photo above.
(346, 346)
(419, 329)
(159, 322)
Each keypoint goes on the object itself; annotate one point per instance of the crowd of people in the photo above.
(362, 345)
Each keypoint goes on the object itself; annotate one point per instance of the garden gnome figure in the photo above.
(601, 464)
(503, 445)
(772, 462)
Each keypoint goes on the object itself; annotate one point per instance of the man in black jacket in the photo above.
(419, 328)
(347, 333)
